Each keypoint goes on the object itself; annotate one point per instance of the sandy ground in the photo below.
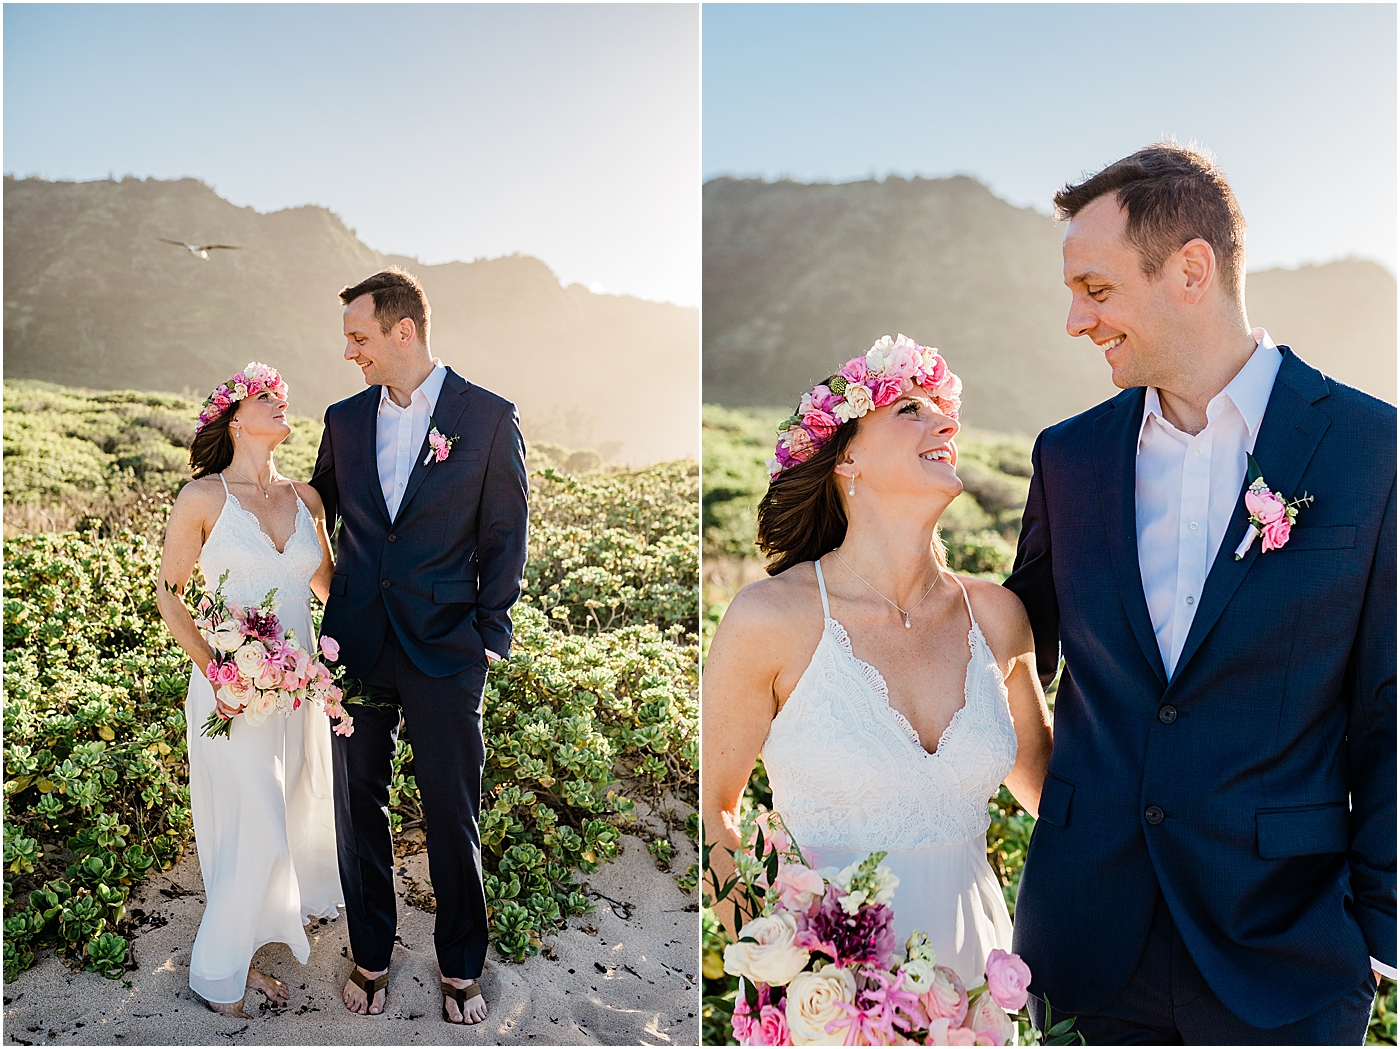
(627, 974)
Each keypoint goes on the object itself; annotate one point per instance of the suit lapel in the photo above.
(371, 449)
(1288, 437)
(451, 402)
(1115, 474)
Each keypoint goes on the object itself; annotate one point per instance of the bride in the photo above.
(264, 817)
(889, 698)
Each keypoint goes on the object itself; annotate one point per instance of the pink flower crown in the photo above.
(251, 381)
(888, 370)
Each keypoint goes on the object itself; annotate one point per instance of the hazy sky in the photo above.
(1297, 101)
(440, 131)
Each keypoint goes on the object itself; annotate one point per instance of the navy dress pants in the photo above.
(1167, 1002)
(442, 718)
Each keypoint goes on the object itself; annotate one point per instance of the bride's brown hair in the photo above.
(212, 448)
(801, 516)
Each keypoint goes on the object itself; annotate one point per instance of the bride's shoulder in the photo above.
(310, 497)
(1000, 614)
(204, 493)
(784, 603)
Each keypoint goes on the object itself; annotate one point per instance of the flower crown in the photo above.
(888, 370)
(251, 381)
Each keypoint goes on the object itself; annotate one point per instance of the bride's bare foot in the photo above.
(234, 1009)
(275, 990)
(354, 995)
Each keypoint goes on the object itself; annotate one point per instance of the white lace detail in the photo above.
(849, 771)
(238, 545)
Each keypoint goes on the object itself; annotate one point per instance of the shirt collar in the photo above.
(429, 389)
(1249, 390)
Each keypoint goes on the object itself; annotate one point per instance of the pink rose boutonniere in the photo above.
(1270, 514)
(440, 446)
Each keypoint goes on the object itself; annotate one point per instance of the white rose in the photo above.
(859, 399)
(239, 391)
(227, 637)
(774, 468)
(248, 657)
(268, 675)
(241, 691)
(918, 975)
(877, 358)
(227, 698)
(262, 704)
(772, 959)
(811, 1005)
(989, 1019)
(844, 412)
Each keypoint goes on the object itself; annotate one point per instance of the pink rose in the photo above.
(942, 1032)
(330, 648)
(946, 996)
(887, 390)
(905, 359)
(823, 398)
(771, 1028)
(228, 673)
(743, 1022)
(1266, 506)
(935, 370)
(855, 370)
(820, 424)
(1276, 534)
(1007, 979)
(799, 887)
(799, 444)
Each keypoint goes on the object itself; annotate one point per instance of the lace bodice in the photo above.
(238, 545)
(849, 771)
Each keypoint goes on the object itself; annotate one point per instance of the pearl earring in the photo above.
(852, 490)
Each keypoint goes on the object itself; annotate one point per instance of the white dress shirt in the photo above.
(1187, 488)
(400, 432)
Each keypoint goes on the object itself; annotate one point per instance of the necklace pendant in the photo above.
(906, 622)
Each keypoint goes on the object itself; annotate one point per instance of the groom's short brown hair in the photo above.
(1172, 195)
(397, 294)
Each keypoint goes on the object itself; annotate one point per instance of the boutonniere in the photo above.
(1270, 514)
(440, 446)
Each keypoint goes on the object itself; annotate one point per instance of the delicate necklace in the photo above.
(267, 493)
(905, 614)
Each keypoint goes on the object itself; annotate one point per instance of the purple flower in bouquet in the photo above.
(863, 938)
(265, 626)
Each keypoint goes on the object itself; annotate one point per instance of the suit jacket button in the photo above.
(1167, 714)
(386, 584)
(393, 538)
(1154, 815)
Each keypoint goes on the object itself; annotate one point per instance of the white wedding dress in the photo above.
(850, 777)
(264, 815)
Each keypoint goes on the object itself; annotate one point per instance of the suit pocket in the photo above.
(339, 581)
(1304, 830)
(1054, 801)
(1321, 537)
(461, 455)
(454, 592)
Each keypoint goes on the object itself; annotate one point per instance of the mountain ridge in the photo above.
(94, 299)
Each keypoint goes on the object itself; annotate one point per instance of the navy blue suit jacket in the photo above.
(445, 571)
(1270, 753)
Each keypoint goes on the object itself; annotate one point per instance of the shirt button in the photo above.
(1154, 815)
(1194, 526)
(400, 484)
(1167, 714)
(1189, 600)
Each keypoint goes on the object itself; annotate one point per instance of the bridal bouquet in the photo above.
(262, 669)
(819, 964)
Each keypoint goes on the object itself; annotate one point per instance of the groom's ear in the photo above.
(404, 331)
(1195, 268)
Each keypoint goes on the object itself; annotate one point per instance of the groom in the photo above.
(1214, 860)
(427, 475)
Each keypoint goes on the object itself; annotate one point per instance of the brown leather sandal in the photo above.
(462, 995)
(371, 987)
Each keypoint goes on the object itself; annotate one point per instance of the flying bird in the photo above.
(202, 250)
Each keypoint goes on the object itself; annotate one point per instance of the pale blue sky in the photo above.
(568, 132)
(1297, 101)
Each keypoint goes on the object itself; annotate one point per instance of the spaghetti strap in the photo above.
(966, 600)
(821, 585)
(224, 483)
